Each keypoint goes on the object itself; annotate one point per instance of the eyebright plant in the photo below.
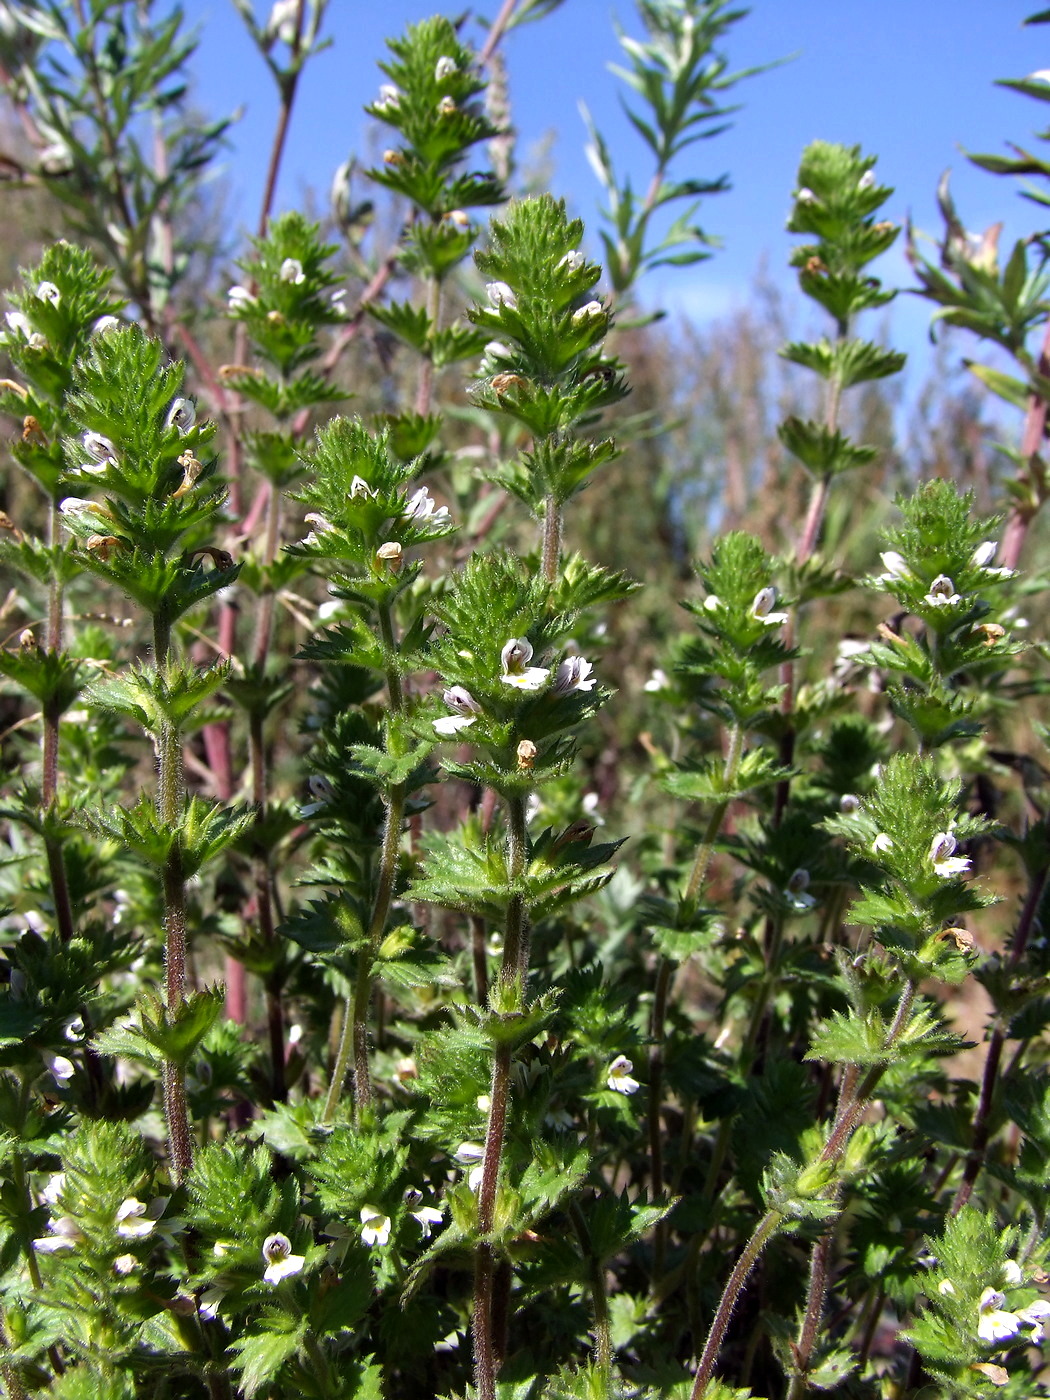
(347, 1048)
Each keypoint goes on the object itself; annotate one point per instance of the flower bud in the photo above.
(591, 312)
(444, 68)
(390, 553)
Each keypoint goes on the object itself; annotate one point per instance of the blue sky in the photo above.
(912, 81)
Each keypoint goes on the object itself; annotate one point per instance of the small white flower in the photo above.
(446, 106)
(125, 1263)
(866, 181)
(421, 506)
(943, 859)
(98, 448)
(849, 803)
(571, 262)
(105, 324)
(281, 1263)
(181, 415)
(55, 159)
(946, 1288)
(239, 298)
(796, 894)
(74, 1029)
(360, 490)
(882, 842)
(515, 658)
(131, 1221)
(428, 1217)
(470, 1152)
(497, 350)
(47, 291)
(292, 271)
(211, 1300)
(618, 1076)
(59, 1067)
(64, 1234)
(389, 97)
(499, 294)
(19, 323)
(281, 24)
(657, 681)
(444, 68)
(994, 1324)
(459, 698)
(221, 1248)
(762, 605)
(56, 1184)
(806, 196)
(942, 593)
(984, 554)
(1011, 1273)
(319, 522)
(712, 603)
(1035, 1314)
(895, 565)
(459, 219)
(574, 673)
(375, 1226)
(405, 1069)
(449, 725)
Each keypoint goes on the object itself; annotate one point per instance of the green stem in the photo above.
(516, 937)
(56, 861)
(748, 1259)
(851, 1105)
(551, 539)
(425, 390)
(353, 1040)
(263, 878)
(169, 810)
(512, 971)
(706, 848)
(599, 1299)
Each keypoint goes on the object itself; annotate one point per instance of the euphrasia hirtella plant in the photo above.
(433, 963)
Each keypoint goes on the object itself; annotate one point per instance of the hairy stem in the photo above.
(599, 1298)
(512, 971)
(425, 389)
(727, 1303)
(852, 1102)
(52, 717)
(353, 1039)
(551, 539)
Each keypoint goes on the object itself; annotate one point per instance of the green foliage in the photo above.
(328, 1073)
